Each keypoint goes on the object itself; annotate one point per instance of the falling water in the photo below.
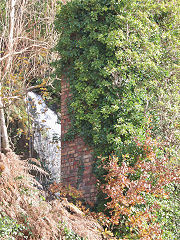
(47, 133)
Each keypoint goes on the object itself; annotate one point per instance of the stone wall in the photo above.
(76, 158)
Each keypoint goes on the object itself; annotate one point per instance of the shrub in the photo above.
(10, 229)
(120, 58)
(139, 195)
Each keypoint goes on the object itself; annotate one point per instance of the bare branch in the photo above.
(22, 51)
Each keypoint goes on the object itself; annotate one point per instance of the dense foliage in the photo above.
(10, 228)
(139, 196)
(27, 212)
(120, 58)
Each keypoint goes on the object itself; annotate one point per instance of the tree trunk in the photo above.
(4, 141)
(11, 35)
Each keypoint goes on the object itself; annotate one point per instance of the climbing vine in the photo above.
(120, 58)
(117, 57)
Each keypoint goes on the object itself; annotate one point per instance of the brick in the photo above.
(73, 152)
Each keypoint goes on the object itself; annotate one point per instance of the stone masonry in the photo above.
(76, 158)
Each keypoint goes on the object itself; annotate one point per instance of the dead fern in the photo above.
(25, 204)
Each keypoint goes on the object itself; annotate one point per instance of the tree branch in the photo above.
(20, 52)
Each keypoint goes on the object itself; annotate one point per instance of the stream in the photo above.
(47, 134)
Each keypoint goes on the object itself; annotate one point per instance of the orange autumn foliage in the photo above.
(128, 188)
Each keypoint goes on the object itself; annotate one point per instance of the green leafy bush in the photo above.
(120, 58)
(121, 61)
(142, 199)
(169, 215)
(10, 228)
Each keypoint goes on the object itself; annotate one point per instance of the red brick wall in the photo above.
(76, 158)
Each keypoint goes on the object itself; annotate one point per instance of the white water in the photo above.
(47, 134)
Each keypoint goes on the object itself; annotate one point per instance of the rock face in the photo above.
(76, 157)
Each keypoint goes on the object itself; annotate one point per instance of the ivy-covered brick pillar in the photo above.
(76, 157)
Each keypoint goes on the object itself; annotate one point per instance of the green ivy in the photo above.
(121, 59)
(117, 57)
(10, 228)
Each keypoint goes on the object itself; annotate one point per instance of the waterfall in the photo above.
(46, 134)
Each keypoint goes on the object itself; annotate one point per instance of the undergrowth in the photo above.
(27, 213)
(10, 229)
